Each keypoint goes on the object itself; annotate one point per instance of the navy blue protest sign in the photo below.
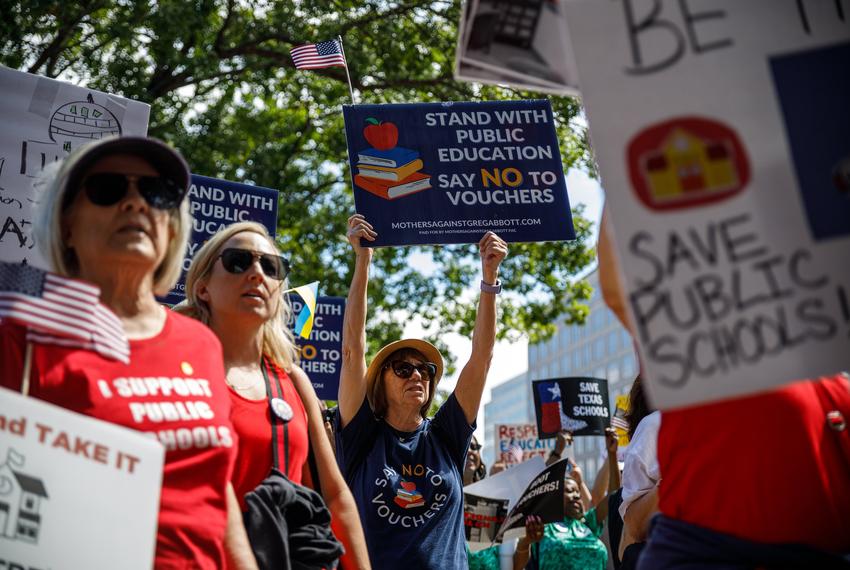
(439, 173)
(216, 204)
(321, 353)
(577, 404)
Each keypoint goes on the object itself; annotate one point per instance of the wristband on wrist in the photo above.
(495, 288)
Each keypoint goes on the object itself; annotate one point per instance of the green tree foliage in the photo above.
(223, 89)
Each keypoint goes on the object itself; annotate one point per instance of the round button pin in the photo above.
(281, 409)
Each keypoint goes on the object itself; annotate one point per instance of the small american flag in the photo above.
(60, 311)
(317, 56)
(514, 453)
(618, 420)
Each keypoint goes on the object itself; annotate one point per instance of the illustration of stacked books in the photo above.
(391, 173)
(407, 497)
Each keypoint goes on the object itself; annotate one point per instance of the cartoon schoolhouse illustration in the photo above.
(686, 162)
(20, 500)
(387, 170)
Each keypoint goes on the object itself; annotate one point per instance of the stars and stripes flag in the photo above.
(60, 311)
(318, 56)
(514, 453)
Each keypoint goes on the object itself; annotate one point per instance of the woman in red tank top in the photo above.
(235, 286)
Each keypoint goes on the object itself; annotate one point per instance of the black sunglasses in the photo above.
(109, 188)
(404, 369)
(236, 260)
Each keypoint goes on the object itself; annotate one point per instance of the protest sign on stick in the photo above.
(578, 405)
(522, 44)
(439, 173)
(509, 437)
(721, 137)
(43, 120)
(215, 204)
(482, 517)
(321, 353)
(65, 479)
(544, 498)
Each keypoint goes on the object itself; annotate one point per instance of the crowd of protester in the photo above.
(376, 482)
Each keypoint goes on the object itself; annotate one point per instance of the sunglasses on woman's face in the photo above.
(109, 188)
(236, 260)
(404, 369)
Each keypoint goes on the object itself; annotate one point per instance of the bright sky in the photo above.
(511, 359)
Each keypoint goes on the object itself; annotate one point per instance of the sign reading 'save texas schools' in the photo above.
(438, 173)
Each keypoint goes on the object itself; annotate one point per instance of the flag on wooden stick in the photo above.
(60, 311)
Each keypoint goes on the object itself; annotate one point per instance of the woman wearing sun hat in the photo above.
(405, 470)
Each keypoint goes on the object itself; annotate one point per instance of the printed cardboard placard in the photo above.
(438, 173)
(525, 45)
(720, 131)
(508, 484)
(482, 518)
(216, 204)
(321, 354)
(544, 497)
(578, 405)
(43, 120)
(65, 479)
(511, 439)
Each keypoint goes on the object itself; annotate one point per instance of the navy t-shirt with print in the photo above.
(408, 487)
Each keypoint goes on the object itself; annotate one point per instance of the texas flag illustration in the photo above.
(550, 406)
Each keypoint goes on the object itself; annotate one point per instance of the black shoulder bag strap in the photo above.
(266, 364)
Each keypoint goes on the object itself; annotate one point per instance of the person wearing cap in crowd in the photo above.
(404, 469)
(114, 214)
(235, 286)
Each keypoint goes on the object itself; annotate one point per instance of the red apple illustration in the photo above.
(382, 136)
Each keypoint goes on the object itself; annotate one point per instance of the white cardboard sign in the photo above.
(721, 132)
(42, 121)
(523, 435)
(75, 492)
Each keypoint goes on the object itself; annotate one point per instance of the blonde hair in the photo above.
(278, 340)
(53, 184)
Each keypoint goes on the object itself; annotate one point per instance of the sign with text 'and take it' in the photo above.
(321, 353)
(43, 120)
(721, 133)
(216, 204)
(65, 482)
(578, 405)
(439, 173)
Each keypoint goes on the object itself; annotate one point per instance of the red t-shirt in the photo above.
(765, 468)
(252, 421)
(173, 390)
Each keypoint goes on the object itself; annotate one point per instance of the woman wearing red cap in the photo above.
(404, 469)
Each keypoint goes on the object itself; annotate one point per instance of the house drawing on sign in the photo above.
(686, 164)
(20, 501)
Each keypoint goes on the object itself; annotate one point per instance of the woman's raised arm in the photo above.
(352, 378)
(470, 384)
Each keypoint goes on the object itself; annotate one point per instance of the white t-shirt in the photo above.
(641, 472)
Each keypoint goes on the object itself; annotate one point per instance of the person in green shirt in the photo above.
(573, 543)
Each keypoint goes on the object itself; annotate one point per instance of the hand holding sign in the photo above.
(493, 250)
(359, 228)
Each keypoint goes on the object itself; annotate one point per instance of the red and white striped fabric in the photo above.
(60, 311)
(318, 56)
(514, 453)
